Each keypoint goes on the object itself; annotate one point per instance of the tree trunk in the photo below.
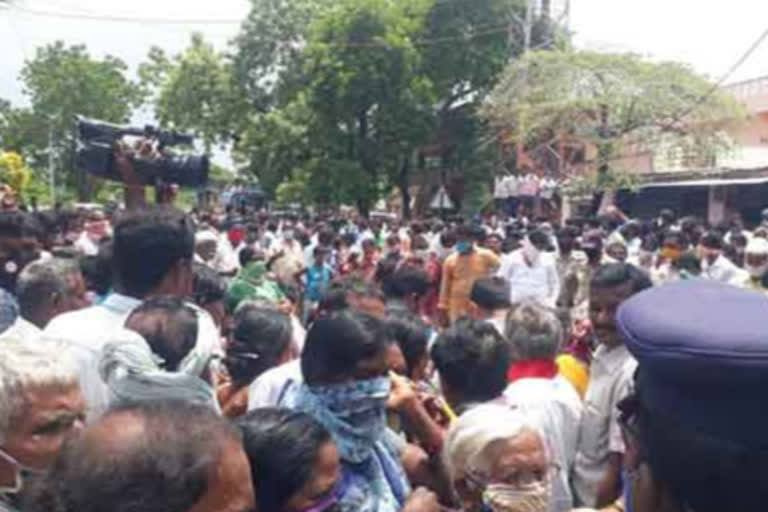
(403, 184)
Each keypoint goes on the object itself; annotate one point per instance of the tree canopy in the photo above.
(613, 101)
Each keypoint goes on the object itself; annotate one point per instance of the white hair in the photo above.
(534, 331)
(465, 449)
(25, 366)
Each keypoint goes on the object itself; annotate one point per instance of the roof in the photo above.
(705, 178)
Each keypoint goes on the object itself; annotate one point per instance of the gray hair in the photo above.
(25, 366)
(534, 331)
(41, 279)
(255, 303)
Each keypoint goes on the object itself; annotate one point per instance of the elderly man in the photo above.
(167, 456)
(44, 290)
(695, 427)
(40, 405)
(756, 262)
(536, 336)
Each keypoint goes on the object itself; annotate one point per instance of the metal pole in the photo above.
(51, 167)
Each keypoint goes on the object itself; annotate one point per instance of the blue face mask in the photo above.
(354, 412)
(464, 247)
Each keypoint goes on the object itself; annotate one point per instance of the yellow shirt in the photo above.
(460, 271)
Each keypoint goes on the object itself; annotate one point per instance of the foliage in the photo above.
(13, 171)
(616, 102)
(193, 91)
(269, 48)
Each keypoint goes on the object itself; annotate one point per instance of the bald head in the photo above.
(169, 456)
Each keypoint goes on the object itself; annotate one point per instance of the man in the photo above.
(167, 456)
(40, 406)
(573, 272)
(715, 265)
(460, 271)
(490, 301)
(695, 427)
(536, 388)
(472, 360)
(494, 242)
(153, 253)
(20, 244)
(96, 229)
(756, 262)
(46, 289)
(288, 258)
(531, 271)
(597, 470)
(404, 290)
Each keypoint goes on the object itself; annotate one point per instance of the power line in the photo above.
(126, 19)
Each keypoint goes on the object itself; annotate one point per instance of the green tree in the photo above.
(613, 101)
(194, 91)
(269, 47)
(366, 90)
(62, 82)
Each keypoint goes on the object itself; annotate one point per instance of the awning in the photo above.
(712, 182)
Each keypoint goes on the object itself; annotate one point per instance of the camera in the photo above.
(95, 154)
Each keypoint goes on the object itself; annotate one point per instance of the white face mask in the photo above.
(530, 252)
(506, 498)
(756, 270)
(22, 471)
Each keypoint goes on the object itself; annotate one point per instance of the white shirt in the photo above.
(22, 330)
(724, 271)
(538, 281)
(86, 246)
(555, 410)
(610, 381)
(269, 388)
(85, 332)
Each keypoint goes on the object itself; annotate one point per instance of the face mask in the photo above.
(97, 229)
(530, 252)
(756, 271)
(22, 473)
(506, 498)
(288, 234)
(328, 504)
(358, 410)
(464, 247)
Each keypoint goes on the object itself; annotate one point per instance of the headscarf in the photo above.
(132, 373)
(250, 283)
(354, 413)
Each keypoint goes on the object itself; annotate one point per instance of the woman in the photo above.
(252, 282)
(497, 462)
(261, 339)
(295, 462)
(346, 388)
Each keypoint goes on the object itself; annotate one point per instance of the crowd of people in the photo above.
(232, 361)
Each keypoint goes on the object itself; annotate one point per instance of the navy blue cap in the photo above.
(702, 352)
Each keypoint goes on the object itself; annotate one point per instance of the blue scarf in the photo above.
(354, 413)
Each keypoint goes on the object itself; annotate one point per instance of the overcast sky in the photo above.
(709, 34)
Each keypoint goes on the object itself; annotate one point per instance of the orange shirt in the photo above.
(460, 271)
